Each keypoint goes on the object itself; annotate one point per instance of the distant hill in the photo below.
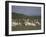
(18, 15)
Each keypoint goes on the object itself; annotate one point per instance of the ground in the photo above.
(22, 27)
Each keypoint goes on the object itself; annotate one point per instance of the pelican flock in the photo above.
(26, 23)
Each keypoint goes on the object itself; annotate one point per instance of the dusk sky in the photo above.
(27, 10)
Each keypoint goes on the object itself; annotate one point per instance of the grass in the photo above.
(20, 28)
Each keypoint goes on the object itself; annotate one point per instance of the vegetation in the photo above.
(21, 28)
(21, 17)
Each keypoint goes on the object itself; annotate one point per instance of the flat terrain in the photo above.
(22, 27)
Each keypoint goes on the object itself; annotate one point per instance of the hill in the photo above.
(18, 15)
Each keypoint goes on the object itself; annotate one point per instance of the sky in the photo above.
(27, 10)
